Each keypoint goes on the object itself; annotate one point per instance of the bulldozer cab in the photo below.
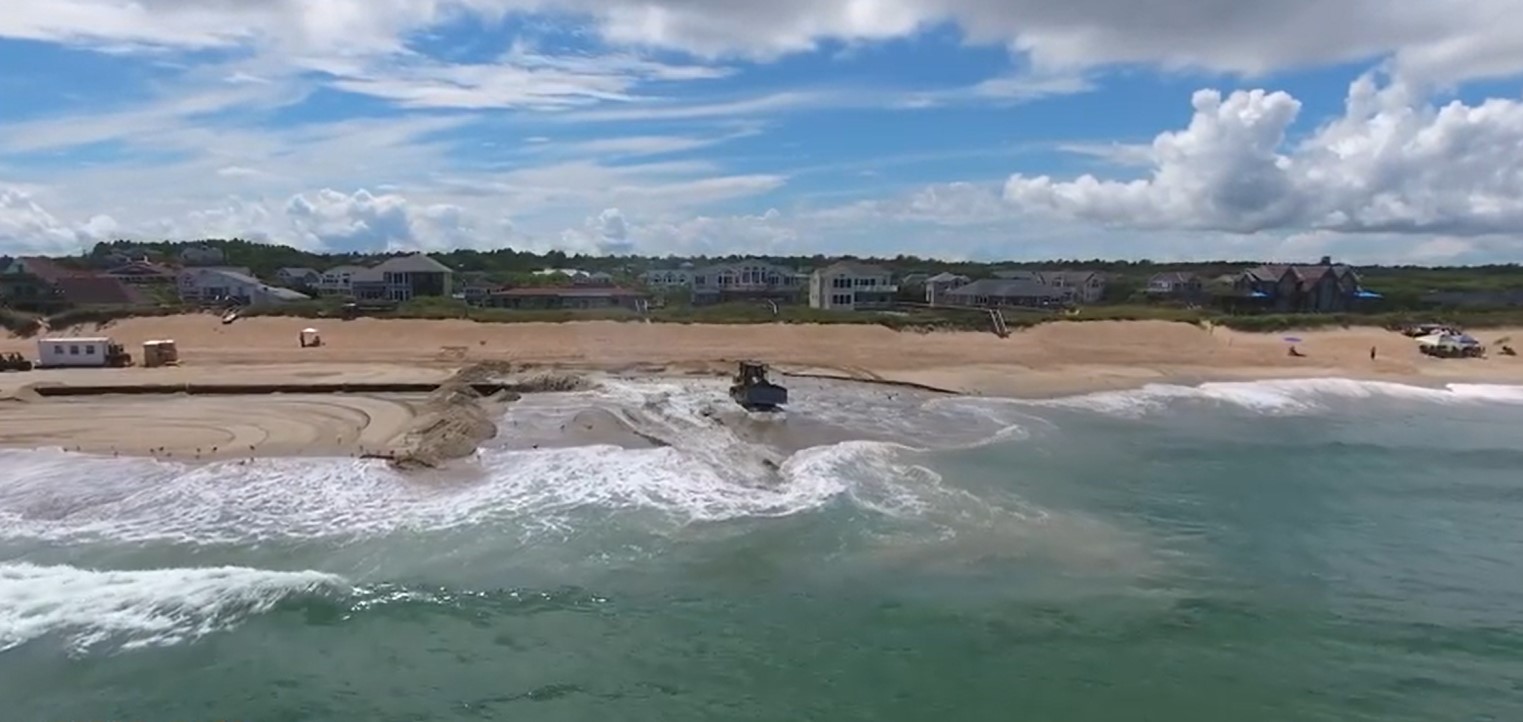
(751, 373)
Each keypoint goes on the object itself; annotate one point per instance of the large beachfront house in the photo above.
(42, 285)
(337, 281)
(299, 277)
(397, 279)
(202, 255)
(937, 286)
(1078, 287)
(214, 284)
(742, 280)
(852, 286)
(1175, 284)
(1324, 287)
(995, 292)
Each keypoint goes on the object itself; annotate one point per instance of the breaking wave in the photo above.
(1278, 397)
(133, 609)
(709, 472)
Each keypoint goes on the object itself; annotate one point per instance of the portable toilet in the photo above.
(160, 353)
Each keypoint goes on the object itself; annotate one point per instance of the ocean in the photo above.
(1316, 549)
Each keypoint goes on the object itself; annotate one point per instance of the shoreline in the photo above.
(248, 427)
(1051, 361)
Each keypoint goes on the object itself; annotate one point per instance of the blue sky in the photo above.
(961, 128)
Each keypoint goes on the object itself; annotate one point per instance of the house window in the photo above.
(840, 299)
(89, 350)
(58, 349)
(73, 350)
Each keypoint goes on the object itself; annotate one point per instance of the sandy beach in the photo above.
(1049, 360)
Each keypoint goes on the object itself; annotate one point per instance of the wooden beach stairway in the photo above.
(997, 318)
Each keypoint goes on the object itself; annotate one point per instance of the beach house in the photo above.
(1174, 284)
(679, 277)
(338, 280)
(201, 254)
(231, 285)
(1324, 287)
(299, 277)
(746, 280)
(937, 286)
(404, 278)
(40, 284)
(997, 292)
(852, 286)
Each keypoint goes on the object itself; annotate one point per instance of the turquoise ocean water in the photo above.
(1288, 550)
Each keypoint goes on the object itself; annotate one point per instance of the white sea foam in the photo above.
(135, 609)
(300, 498)
(707, 474)
(1278, 396)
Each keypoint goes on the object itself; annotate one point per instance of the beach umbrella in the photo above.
(1292, 339)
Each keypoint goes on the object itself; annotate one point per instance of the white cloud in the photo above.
(1390, 163)
(26, 227)
(606, 233)
(1429, 37)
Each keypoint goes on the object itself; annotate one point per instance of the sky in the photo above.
(1372, 131)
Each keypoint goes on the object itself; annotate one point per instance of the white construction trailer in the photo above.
(77, 352)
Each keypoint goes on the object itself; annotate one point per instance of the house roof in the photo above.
(96, 291)
(1305, 274)
(416, 263)
(298, 271)
(240, 270)
(945, 278)
(1005, 288)
(1172, 277)
(346, 269)
(285, 294)
(141, 268)
(367, 275)
(48, 269)
(1074, 277)
(1018, 275)
(854, 267)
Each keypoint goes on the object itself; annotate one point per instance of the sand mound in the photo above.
(547, 382)
(455, 420)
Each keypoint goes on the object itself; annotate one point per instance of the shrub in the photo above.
(20, 323)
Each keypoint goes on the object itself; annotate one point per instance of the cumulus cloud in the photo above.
(26, 227)
(605, 233)
(1391, 163)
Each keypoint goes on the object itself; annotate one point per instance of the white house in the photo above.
(214, 285)
(851, 286)
(202, 255)
(298, 276)
(337, 281)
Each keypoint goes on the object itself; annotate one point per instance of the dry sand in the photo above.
(1053, 359)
